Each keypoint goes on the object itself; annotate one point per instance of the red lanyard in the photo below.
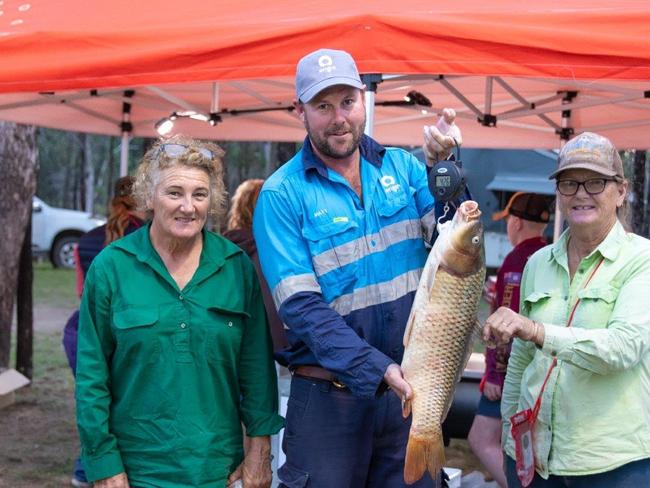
(538, 402)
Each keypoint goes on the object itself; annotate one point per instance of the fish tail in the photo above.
(423, 455)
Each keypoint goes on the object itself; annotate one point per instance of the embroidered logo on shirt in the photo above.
(320, 213)
(339, 219)
(389, 184)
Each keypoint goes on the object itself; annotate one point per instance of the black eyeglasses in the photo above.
(176, 150)
(593, 186)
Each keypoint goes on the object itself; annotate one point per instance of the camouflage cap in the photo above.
(590, 151)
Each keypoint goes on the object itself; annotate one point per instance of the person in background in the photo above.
(526, 217)
(341, 230)
(239, 230)
(582, 338)
(123, 218)
(174, 351)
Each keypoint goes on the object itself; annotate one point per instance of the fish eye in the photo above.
(476, 240)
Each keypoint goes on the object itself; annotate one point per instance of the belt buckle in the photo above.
(338, 384)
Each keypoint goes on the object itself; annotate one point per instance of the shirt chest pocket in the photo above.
(393, 204)
(334, 249)
(544, 306)
(596, 305)
(136, 334)
(225, 333)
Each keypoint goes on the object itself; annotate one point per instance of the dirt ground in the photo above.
(38, 437)
(38, 433)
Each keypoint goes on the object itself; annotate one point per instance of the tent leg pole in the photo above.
(565, 133)
(370, 80)
(370, 112)
(127, 128)
(124, 155)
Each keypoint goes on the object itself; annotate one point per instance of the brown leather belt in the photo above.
(318, 373)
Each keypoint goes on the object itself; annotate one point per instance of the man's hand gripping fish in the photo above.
(439, 335)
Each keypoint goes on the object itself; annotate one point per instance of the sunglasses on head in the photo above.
(175, 150)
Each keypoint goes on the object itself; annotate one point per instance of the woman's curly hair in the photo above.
(240, 215)
(156, 160)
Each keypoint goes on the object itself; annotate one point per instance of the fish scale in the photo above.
(439, 337)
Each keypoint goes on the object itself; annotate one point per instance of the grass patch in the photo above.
(55, 286)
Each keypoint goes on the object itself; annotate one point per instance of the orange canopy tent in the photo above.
(538, 71)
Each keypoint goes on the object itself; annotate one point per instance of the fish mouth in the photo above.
(469, 211)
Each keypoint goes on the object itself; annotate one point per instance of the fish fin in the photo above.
(406, 408)
(422, 455)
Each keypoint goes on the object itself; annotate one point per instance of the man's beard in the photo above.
(326, 149)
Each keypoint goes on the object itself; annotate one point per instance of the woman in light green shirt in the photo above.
(174, 351)
(593, 427)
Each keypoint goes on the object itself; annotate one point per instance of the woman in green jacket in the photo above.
(582, 342)
(174, 352)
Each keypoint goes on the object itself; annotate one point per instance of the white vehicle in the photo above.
(55, 231)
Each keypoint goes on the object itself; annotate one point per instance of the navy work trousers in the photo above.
(333, 439)
(632, 475)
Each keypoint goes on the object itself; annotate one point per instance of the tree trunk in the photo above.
(286, 150)
(25, 307)
(267, 150)
(638, 190)
(89, 175)
(17, 186)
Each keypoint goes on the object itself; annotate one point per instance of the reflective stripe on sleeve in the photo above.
(387, 291)
(347, 253)
(292, 285)
(428, 222)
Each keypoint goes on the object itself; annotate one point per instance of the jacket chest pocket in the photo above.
(399, 221)
(225, 333)
(596, 305)
(335, 251)
(136, 335)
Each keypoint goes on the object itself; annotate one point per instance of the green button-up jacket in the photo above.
(595, 411)
(166, 377)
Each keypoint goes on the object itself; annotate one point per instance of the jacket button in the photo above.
(180, 297)
(183, 325)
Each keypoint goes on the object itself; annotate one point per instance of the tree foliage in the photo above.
(78, 170)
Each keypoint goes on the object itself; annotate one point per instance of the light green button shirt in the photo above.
(595, 412)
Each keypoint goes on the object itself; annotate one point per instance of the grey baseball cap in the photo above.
(590, 151)
(324, 68)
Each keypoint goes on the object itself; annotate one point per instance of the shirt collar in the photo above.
(609, 248)
(215, 249)
(370, 150)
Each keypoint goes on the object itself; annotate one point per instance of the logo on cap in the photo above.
(326, 64)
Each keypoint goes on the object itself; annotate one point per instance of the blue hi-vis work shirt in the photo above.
(343, 270)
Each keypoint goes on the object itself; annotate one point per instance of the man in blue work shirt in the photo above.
(341, 231)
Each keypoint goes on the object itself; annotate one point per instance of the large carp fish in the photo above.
(439, 335)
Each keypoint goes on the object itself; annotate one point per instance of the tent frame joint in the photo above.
(372, 80)
(565, 133)
(488, 120)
